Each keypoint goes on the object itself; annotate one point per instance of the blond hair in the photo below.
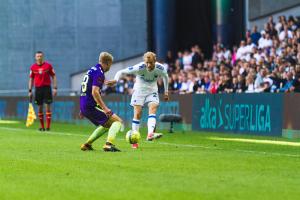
(150, 55)
(105, 57)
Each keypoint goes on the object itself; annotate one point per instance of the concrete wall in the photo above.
(72, 33)
(261, 21)
(259, 10)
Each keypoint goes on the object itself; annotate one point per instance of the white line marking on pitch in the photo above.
(284, 143)
(169, 144)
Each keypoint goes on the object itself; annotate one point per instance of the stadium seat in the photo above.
(171, 118)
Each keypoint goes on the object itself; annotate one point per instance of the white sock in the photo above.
(151, 123)
(135, 124)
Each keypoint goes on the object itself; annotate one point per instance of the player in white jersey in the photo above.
(145, 91)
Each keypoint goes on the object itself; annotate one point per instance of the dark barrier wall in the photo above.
(66, 109)
(259, 114)
(291, 113)
(291, 119)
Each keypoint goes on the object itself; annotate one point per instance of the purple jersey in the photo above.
(93, 77)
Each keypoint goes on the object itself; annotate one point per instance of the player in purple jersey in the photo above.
(93, 107)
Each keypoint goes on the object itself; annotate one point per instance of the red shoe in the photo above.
(153, 136)
(135, 146)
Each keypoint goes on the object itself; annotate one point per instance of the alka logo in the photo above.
(241, 117)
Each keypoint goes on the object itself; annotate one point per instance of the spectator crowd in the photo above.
(265, 61)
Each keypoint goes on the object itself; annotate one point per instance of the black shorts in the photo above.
(43, 95)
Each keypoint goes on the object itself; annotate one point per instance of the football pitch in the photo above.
(35, 165)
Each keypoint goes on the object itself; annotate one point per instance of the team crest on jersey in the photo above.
(40, 71)
(141, 67)
(160, 67)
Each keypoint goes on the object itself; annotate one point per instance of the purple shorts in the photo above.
(95, 115)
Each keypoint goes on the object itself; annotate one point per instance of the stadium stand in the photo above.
(265, 61)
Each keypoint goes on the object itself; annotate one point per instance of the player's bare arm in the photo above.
(166, 96)
(99, 101)
(165, 78)
(119, 74)
(110, 83)
(54, 90)
(30, 84)
(166, 86)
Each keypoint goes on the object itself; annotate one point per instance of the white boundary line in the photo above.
(277, 142)
(169, 144)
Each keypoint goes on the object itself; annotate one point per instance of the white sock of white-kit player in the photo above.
(135, 125)
(151, 123)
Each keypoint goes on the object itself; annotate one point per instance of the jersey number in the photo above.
(84, 83)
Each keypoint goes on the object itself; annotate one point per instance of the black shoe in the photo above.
(86, 147)
(110, 148)
(47, 129)
(41, 129)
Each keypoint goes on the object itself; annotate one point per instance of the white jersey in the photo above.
(146, 81)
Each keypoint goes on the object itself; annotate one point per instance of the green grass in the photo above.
(36, 165)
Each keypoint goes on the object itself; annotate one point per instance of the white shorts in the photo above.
(139, 99)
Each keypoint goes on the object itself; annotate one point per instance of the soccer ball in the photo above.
(133, 137)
